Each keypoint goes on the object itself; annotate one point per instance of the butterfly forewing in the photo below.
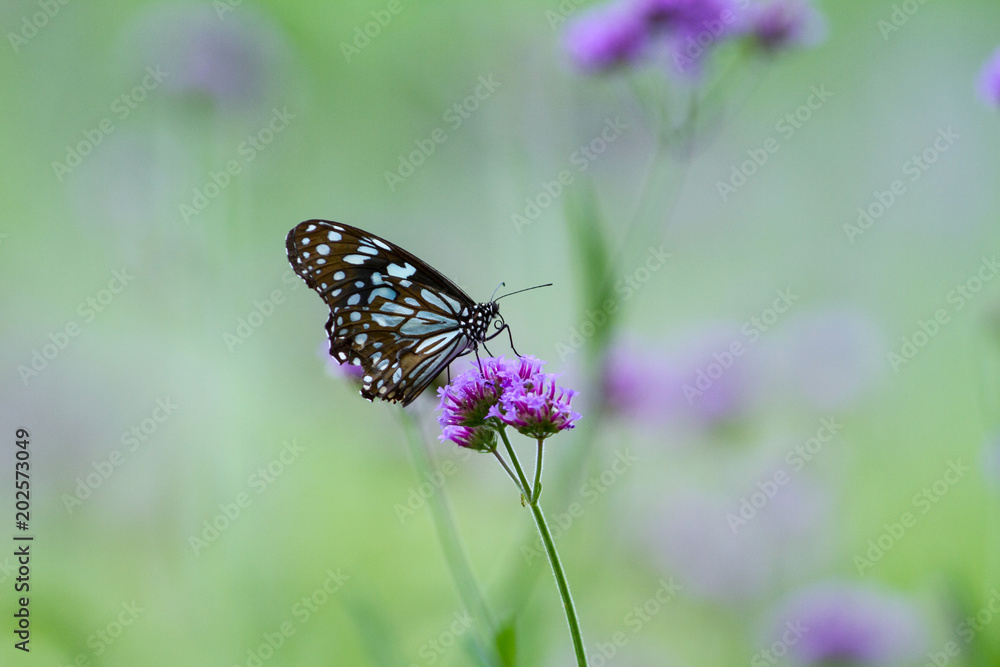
(392, 314)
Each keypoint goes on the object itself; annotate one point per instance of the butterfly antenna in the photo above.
(526, 289)
(496, 290)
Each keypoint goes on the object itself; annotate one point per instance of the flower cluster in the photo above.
(503, 392)
(623, 32)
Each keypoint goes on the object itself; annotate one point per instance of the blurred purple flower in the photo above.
(232, 63)
(781, 24)
(844, 623)
(988, 85)
(685, 16)
(606, 37)
(700, 380)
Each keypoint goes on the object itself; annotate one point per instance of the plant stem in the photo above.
(550, 550)
(525, 489)
(505, 466)
(536, 490)
(557, 572)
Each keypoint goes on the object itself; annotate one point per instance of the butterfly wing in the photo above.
(390, 313)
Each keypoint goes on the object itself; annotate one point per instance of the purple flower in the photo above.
(500, 392)
(844, 623)
(689, 28)
(479, 438)
(686, 16)
(988, 85)
(537, 407)
(780, 24)
(606, 37)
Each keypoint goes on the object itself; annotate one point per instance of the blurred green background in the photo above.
(149, 310)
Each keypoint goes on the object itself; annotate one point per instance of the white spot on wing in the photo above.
(391, 307)
(355, 259)
(354, 300)
(323, 249)
(385, 292)
(333, 236)
(339, 275)
(398, 271)
(387, 321)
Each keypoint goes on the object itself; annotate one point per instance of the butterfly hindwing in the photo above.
(392, 314)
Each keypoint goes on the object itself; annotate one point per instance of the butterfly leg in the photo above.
(478, 360)
(511, 337)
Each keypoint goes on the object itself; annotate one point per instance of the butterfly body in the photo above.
(391, 313)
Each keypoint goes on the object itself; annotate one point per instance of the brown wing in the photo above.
(390, 313)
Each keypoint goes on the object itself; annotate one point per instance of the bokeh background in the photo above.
(206, 490)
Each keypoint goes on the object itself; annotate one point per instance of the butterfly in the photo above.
(392, 314)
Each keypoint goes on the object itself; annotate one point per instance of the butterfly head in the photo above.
(483, 315)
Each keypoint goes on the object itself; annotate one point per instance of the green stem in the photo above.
(525, 489)
(557, 572)
(550, 551)
(451, 544)
(505, 466)
(537, 489)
